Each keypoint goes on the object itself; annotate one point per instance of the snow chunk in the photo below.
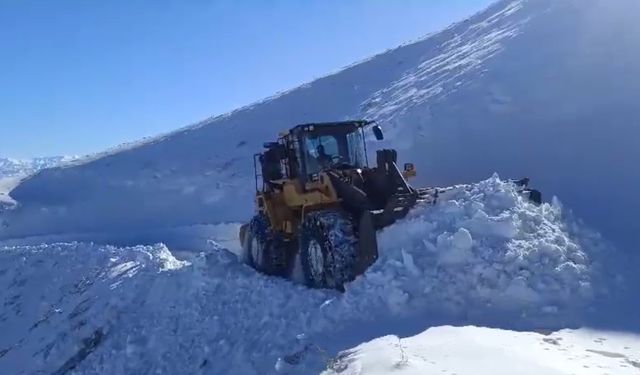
(166, 260)
(455, 249)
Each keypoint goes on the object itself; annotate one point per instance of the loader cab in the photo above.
(308, 149)
(339, 145)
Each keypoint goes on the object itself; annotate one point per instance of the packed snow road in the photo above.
(482, 255)
(479, 351)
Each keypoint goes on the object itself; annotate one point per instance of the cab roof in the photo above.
(346, 124)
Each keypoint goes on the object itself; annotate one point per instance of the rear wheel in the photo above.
(328, 249)
(264, 249)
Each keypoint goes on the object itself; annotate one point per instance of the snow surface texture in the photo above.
(538, 88)
(543, 88)
(100, 309)
(484, 351)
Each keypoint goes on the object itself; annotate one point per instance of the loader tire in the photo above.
(328, 248)
(264, 249)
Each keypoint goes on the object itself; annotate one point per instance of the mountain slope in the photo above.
(542, 88)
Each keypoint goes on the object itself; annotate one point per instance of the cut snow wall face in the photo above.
(555, 104)
(544, 89)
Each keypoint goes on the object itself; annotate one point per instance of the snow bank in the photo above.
(480, 251)
(99, 309)
(485, 351)
(61, 301)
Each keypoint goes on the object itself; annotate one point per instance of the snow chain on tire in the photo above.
(272, 247)
(334, 232)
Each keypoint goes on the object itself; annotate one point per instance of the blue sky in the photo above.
(80, 76)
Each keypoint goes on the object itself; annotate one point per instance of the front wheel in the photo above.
(328, 249)
(264, 249)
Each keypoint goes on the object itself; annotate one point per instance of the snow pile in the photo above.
(61, 301)
(485, 351)
(99, 309)
(483, 247)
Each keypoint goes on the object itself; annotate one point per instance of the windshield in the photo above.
(333, 151)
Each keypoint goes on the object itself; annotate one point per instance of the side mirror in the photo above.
(377, 131)
(409, 171)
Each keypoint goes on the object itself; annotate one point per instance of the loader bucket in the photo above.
(243, 235)
(367, 252)
(371, 221)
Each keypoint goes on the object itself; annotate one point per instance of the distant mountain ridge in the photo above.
(10, 167)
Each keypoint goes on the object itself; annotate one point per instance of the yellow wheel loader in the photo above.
(319, 203)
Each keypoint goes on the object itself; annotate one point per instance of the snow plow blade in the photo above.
(367, 252)
(372, 221)
(398, 208)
